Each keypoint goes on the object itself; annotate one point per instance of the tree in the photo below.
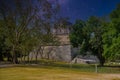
(43, 28)
(17, 17)
(20, 18)
(88, 37)
(4, 49)
(96, 44)
(2, 40)
(111, 36)
(78, 37)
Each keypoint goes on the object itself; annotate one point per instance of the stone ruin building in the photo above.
(64, 51)
(61, 52)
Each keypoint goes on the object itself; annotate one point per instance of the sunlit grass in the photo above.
(80, 67)
(51, 73)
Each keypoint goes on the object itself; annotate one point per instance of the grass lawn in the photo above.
(52, 73)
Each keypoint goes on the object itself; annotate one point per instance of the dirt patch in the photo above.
(111, 76)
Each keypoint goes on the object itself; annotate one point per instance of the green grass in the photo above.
(52, 70)
(35, 72)
(77, 67)
(80, 67)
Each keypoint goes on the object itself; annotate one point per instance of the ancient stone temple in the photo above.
(61, 52)
(64, 51)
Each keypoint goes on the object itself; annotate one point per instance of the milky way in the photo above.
(83, 9)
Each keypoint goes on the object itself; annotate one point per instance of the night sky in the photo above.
(83, 9)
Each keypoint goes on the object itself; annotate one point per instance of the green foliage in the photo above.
(95, 33)
(4, 49)
(98, 36)
(96, 43)
(77, 35)
(88, 36)
(23, 26)
(111, 36)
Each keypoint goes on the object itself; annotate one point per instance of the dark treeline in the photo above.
(26, 26)
(99, 36)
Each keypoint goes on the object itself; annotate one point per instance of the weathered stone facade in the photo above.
(64, 51)
(61, 52)
(58, 53)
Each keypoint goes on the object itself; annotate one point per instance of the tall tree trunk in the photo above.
(1, 57)
(28, 59)
(21, 58)
(49, 52)
(24, 58)
(9, 57)
(101, 58)
(36, 56)
(15, 60)
(32, 55)
(41, 51)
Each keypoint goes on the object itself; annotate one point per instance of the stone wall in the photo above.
(59, 53)
(63, 51)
